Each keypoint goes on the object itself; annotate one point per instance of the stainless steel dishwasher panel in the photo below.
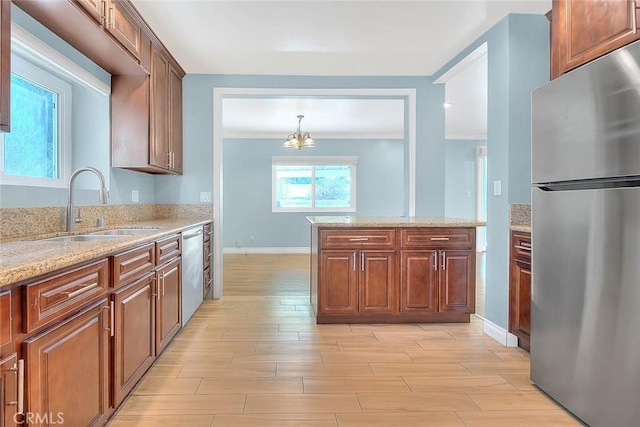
(192, 271)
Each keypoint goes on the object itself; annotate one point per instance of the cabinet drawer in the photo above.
(458, 238)
(358, 238)
(52, 299)
(132, 264)
(167, 249)
(5, 319)
(207, 282)
(521, 245)
(207, 233)
(206, 255)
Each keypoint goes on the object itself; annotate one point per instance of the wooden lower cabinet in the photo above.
(339, 282)
(520, 288)
(168, 303)
(67, 372)
(9, 391)
(437, 281)
(357, 282)
(134, 334)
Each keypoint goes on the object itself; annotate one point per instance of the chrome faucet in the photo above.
(104, 195)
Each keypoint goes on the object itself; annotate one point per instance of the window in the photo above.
(37, 151)
(314, 184)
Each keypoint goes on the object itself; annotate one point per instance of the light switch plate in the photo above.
(497, 188)
(135, 196)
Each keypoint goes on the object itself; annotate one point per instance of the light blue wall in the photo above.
(90, 140)
(518, 62)
(248, 192)
(198, 131)
(460, 178)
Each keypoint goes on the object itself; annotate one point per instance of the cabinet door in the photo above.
(134, 338)
(9, 391)
(520, 302)
(159, 141)
(419, 281)
(338, 282)
(93, 8)
(175, 120)
(377, 281)
(121, 24)
(5, 64)
(585, 30)
(6, 319)
(168, 304)
(456, 291)
(67, 370)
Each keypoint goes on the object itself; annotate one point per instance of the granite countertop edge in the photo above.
(521, 228)
(346, 221)
(22, 260)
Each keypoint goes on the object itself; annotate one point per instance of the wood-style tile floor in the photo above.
(257, 358)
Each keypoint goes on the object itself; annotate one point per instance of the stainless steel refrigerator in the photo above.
(585, 302)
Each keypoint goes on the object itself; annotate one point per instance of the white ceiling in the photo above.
(324, 118)
(344, 37)
(319, 38)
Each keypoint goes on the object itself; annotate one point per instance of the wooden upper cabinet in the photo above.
(159, 152)
(93, 8)
(175, 119)
(585, 30)
(122, 24)
(5, 64)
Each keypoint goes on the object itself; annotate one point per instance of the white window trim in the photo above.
(312, 161)
(31, 72)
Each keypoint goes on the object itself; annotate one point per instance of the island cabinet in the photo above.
(415, 274)
(206, 261)
(520, 288)
(585, 30)
(437, 270)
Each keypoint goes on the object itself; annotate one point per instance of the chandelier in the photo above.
(299, 139)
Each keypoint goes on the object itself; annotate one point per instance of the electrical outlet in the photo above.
(135, 196)
(252, 238)
(497, 188)
(205, 197)
(238, 243)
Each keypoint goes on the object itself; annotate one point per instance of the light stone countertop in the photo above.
(391, 221)
(21, 260)
(522, 228)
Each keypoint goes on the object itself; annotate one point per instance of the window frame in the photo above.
(314, 161)
(41, 77)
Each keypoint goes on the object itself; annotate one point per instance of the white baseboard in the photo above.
(500, 334)
(266, 250)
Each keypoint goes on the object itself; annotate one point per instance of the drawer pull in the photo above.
(359, 239)
(524, 248)
(440, 239)
(81, 290)
(20, 408)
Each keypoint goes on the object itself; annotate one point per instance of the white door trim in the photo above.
(221, 92)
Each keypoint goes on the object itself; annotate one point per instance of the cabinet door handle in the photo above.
(112, 317)
(634, 20)
(361, 261)
(14, 369)
(81, 290)
(523, 248)
(20, 408)
(440, 239)
(359, 239)
(160, 277)
(435, 261)
(443, 256)
(354, 261)
(112, 19)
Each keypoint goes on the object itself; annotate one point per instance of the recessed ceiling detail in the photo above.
(343, 118)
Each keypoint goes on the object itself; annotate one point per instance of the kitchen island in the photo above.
(392, 269)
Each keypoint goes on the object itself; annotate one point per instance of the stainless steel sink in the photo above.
(123, 231)
(85, 238)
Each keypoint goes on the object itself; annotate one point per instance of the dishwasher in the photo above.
(192, 271)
